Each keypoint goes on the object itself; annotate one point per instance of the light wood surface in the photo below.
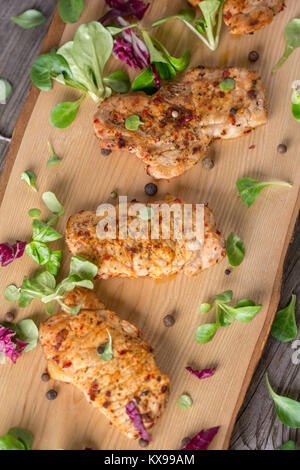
(85, 179)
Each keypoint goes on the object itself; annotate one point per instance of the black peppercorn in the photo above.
(106, 152)
(45, 377)
(227, 272)
(282, 148)
(143, 443)
(233, 111)
(100, 350)
(208, 163)
(169, 320)
(150, 189)
(9, 317)
(185, 441)
(51, 394)
(253, 56)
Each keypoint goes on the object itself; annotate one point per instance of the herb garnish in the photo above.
(249, 188)
(29, 18)
(108, 353)
(34, 213)
(287, 410)
(133, 122)
(244, 311)
(227, 84)
(29, 177)
(292, 39)
(284, 327)
(235, 249)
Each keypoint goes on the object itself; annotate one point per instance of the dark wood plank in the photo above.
(256, 427)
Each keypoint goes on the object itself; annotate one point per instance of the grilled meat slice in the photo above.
(183, 118)
(153, 258)
(247, 16)
(70, 345)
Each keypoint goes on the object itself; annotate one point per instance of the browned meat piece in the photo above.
(154, 258)
(246, 16)
(182, 119)
(70, 345)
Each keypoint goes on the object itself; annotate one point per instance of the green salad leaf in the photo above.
(118, 81)
(34, 213)
(63, 114)
(244, 311)
(287, 410)
(235, 249)
(292, 40)
(49, 66)
(11, 293)
(54, 159)
(227, 84)
(53, 203)
(108, 353)
(249, 188)
(53, 265)
(184, 402)
(284, 327)
(207, 28)
(289, 445)
(28, 333)
(5, 90)
(70, 10)
(16, 439)
(29, 177)
(38, 251)
(296, 100)
(29, 19)
(43, 232)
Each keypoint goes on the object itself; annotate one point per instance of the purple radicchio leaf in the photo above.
(130, 48)
(9, 345)
(202, 440)
(8, 253)
(201, 374)
(136, 419)
(123, 8)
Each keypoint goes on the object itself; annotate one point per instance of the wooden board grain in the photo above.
(85, 179)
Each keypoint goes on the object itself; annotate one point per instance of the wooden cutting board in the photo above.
(85, 179)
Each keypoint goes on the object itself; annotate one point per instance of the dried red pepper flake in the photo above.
(66, 365)
(252, 147)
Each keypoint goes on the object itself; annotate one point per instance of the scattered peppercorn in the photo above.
(106, 152)
(282, 148)
(185, 441)
(208, 163)
(45, 377)
(51, 394)
(9, 317)
(143, 443)
(169, 320)
(227, 272)
(100, 350)
(114, 194)
(253, 56)
(233, 111)
(150, 189)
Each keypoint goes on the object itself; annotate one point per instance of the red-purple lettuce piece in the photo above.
(8, 253)
(136, 419)
(124, 51)
(201, 374)
(121, 8)
(155, 76)
(202, 440)
(9, 345)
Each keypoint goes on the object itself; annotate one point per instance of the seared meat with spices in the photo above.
(181, 120)
(145, 257)
(70, 344)
(247, 16)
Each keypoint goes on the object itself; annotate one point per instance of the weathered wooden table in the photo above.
(257, 426)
